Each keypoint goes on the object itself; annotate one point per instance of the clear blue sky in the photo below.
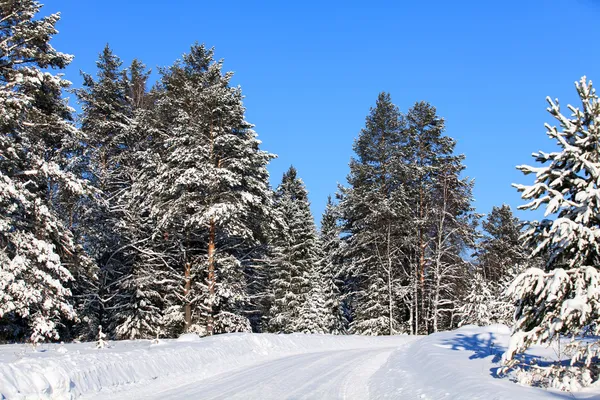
(310, 70)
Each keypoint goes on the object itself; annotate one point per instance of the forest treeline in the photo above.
(149, 213)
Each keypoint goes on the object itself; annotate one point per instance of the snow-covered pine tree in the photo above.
(331, 268)
(407, 219)
(372, 210)
(563, 298)
(209, 189)
(37, 250)
(297, 287)
(442, 221)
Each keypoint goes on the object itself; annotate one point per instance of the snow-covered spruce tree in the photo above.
(563, 298)
(501, 252)
(372, 210)
(331, 267)
(297, 287)
(105, 120)
(209, 191)
(37, 250)
(499, 258)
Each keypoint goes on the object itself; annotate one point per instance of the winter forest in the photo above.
(149, 214)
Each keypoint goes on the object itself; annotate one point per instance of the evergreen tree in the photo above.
(479, 304)
(207, 183)
(297, 287)
(563, 298)
(442, 220)
(407, 221)
(373, 221)
(143, 296)
(105, 120)
(501, 253)
(500, 257)
(38, 255)
(331, 268)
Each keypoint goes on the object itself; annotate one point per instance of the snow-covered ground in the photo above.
(451, 365)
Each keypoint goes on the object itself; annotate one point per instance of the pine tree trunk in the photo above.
(211, 248)
(186, 292)
(211, 278)
(416, 301)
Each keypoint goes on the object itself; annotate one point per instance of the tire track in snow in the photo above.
(340, 374)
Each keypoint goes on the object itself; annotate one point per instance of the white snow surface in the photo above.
(461, 364)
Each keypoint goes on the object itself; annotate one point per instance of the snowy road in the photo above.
(342, 374)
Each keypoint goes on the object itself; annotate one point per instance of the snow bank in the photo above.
(72, 370)
(460, 364)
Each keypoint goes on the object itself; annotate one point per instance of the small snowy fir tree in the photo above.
(101, 342)
(563, 299)
(36, 247)
(478, 305)
(485, 303)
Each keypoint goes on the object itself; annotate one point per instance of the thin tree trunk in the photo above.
(211, 278)
(440, 251)
(416, 304)
(421, 241)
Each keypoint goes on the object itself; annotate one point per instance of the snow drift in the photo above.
(72, 370)
(457, 365)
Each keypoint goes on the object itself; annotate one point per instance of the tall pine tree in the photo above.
(208, 186)
(373, 213)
